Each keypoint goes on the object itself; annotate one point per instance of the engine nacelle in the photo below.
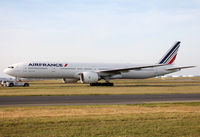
(66, 80)
(89, 77)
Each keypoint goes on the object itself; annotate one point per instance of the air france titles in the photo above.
(45, 65)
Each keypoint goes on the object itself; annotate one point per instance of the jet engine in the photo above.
(66, 80)
(89, 77)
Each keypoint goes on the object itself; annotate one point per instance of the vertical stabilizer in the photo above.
(171, 54)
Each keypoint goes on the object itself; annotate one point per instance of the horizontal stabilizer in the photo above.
(178, 68)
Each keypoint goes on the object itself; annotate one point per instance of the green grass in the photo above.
(146, 86)
(147, 120)
(149, 125)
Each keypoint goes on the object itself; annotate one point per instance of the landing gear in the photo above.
(102, 84)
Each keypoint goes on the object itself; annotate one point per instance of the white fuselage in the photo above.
(73, 70)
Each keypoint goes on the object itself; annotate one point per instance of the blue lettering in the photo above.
(45, 64)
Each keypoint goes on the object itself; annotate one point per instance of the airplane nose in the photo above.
(7, 71)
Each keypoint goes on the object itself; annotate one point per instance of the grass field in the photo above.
(144, 120)
(148, 120)
(146, 86)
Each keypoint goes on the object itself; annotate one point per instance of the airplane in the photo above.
(92, 73)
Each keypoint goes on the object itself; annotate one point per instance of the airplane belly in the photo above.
(65, 73)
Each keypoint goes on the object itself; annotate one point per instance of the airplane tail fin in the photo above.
(171, 54)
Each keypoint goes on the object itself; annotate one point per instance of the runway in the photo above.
(94, 99)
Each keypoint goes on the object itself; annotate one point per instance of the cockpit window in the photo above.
(11, 67)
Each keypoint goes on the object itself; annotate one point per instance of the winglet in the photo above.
(171, 54)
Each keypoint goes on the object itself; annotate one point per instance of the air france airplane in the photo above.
(91, 73)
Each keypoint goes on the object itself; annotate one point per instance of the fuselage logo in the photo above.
(47, 65)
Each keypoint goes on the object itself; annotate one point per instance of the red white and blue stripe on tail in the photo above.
(171, 54)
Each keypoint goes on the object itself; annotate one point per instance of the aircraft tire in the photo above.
(26, 84)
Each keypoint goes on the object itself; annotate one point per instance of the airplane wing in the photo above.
(119, 70)
(178, 68)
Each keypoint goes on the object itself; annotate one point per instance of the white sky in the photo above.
(117, 31)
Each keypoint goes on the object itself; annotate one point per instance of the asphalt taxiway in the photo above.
(95, 99)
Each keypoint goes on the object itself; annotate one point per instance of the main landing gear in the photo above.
(102, 84)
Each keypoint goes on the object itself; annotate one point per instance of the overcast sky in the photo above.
(118, 31)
